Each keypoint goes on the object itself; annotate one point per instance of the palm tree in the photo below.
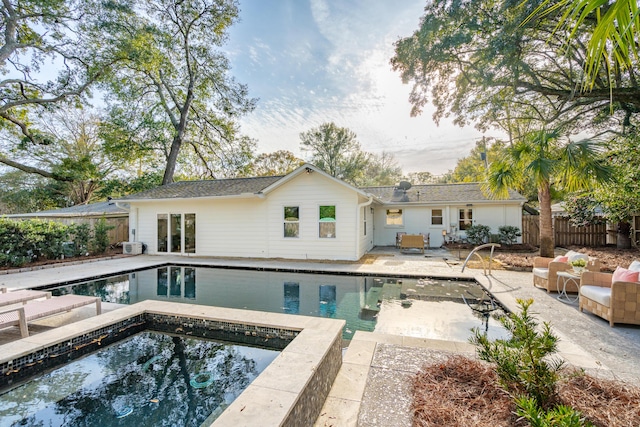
(614, 34)
(552, 165)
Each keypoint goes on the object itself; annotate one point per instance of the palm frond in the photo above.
(613, 41)
(500, 177)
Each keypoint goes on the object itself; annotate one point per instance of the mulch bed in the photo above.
(465, 392)
(609, 257)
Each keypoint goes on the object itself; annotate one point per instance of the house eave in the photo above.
(164, 199)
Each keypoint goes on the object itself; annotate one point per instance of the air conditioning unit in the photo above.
(132, 248)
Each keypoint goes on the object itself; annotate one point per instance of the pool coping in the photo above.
(289, 392)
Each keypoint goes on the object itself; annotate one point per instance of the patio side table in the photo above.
(565, 277)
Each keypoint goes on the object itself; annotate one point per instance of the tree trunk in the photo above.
(547, 245)
(623, 240)
(172, 159)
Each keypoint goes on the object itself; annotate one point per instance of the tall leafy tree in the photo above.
(554, 164)
(175, 90)
(621, 200)
(613, 38)
(73, 152)
(47, 62)
(336, 150)
(382, 169)
(279, 162)
(483, 61)
(21, 192)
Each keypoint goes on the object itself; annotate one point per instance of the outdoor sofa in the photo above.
(412, 241)
(614, 297)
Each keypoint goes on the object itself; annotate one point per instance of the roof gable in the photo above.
(308, 168)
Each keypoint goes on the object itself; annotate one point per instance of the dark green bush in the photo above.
(81, 239)
(22, 242)
(101, 236)
(509, 234)
(478, 234)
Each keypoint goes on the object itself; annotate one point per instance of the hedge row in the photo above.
(22, 242)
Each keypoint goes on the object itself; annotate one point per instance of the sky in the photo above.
(316, 61)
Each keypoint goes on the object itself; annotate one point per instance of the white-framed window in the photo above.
(436, 217)
(291, 221)
(465, 218)
(327, 222)
(394, 217)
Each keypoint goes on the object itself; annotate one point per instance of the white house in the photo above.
(306, 214)
(441, 210)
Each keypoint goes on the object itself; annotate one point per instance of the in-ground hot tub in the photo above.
(290, 391)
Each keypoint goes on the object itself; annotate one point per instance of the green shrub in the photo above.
(558, 416)
(478, 234)
(509, 234)
(50, 237)
(81, 239)
(101, 236)
(522, 361)
(22, 242)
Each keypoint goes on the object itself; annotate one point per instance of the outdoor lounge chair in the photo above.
(545, 270)
(21, 296)
(399, 235)
(39, 309)
(614, 297)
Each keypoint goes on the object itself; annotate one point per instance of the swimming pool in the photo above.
(147, 379)
(439, 309)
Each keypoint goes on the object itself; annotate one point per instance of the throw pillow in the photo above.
(561, 258)
(624, 275)
(635, 266)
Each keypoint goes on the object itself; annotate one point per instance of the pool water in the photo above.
(439, 309)
(148, 379)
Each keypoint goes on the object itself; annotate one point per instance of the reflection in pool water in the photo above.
(439, 308)
(148, 379)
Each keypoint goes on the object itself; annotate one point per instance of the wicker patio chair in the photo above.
(617, 302)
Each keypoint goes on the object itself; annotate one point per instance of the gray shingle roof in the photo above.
(208, 188)
(91, 209)
(433, 193)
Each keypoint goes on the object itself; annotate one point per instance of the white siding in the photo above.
(366, 239)
(254, 227)
(417, 219)
(230, 227)
(493, 215)
(309, 192)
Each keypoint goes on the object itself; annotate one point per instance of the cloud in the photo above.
(328, 61)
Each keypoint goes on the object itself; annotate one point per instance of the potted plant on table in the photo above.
(579, 265)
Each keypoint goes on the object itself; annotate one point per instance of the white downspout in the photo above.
(360, 206)
(133, 222)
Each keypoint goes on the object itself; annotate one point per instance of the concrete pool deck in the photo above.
(372, 387)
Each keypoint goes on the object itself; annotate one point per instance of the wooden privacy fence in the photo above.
(565, 234)
(119, 232)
